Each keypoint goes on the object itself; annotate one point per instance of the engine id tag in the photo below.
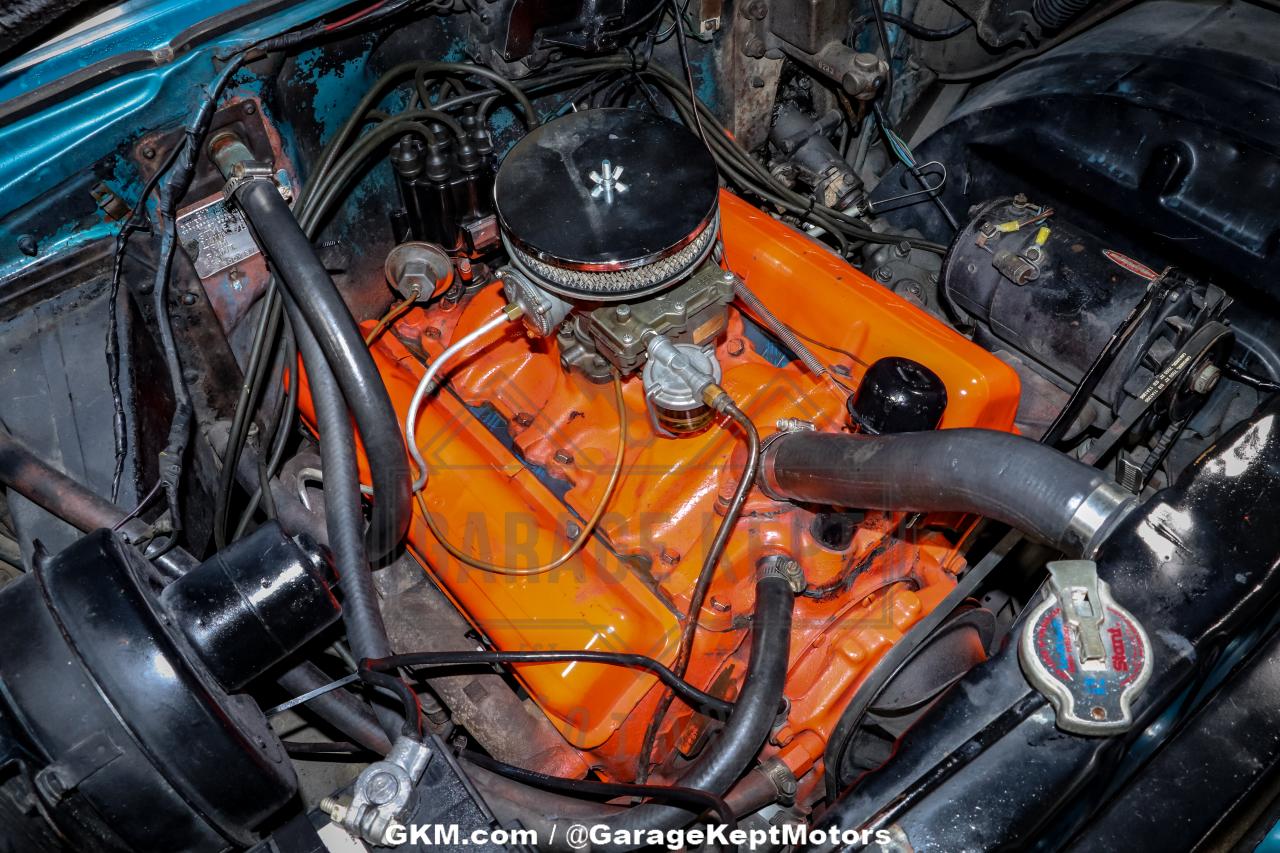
(1084, 652)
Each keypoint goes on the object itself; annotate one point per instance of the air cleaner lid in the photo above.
(606, 189)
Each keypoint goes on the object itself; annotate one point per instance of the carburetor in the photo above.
(610, 218)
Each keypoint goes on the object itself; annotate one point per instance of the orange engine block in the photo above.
(519, 451)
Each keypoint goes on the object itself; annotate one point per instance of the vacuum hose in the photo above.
(1035, 489)
(723, 763)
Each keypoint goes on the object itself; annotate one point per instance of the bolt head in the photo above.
(382, 787)
(866, 62)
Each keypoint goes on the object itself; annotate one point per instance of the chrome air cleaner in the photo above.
(608, 204)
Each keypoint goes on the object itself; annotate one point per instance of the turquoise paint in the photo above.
(338, 87)
(1271, 843)
(86, 131)
(67, 237)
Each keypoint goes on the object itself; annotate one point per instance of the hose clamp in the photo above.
(246, 172)
(784, 567)
(782, 779)
(1096, 516)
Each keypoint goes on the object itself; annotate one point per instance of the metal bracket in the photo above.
(930, 190)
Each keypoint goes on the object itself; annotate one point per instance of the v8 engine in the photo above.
(622, 282)
(635, 425)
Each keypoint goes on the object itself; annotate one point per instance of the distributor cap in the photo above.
(608, 204)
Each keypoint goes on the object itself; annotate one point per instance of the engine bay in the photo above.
(622, 425)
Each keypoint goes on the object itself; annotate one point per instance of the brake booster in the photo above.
(625, 258)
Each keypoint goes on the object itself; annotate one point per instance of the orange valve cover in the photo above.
(519, 452)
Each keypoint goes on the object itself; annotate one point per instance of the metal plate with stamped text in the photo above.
(215, 236)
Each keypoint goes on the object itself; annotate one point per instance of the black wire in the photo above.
(702, 801)
(173, 456)
(1123, 333)
(136, 221)
(913, 29)
(934, 193)
(412, 726)
(683, 44)
(265, 332)
(887, 92)
(704, 703)
(637, 24)
(1241, 374)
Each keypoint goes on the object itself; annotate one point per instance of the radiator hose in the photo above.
(1035, 489)
(320, 307)
(723, 763)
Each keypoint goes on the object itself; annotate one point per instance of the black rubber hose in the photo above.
(1038, 490)
(344, 516)
(318, 303)
(722, 763)
(754, 711)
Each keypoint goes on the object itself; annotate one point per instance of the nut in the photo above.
(1206, 378)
